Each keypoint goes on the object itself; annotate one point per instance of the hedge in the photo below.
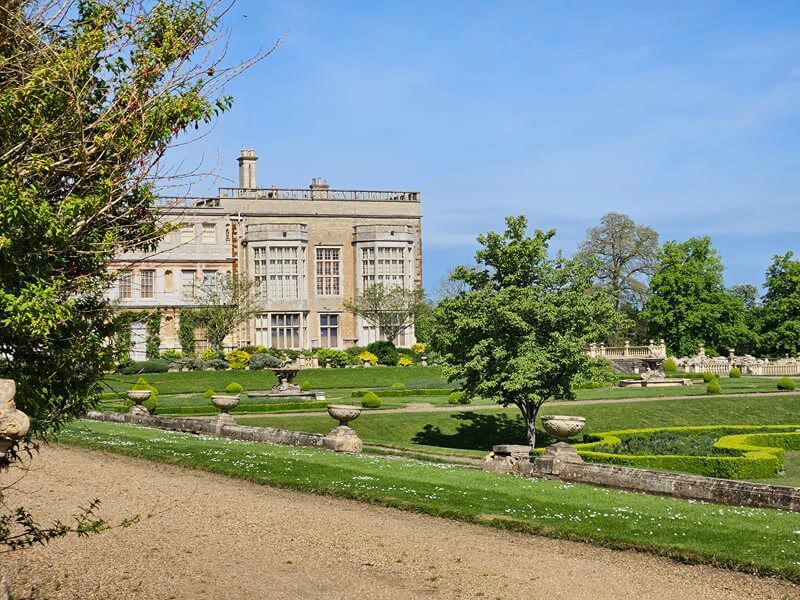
(761, 453)
(407, 392)
(243, 408)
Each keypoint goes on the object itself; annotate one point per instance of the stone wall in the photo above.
(688, 487)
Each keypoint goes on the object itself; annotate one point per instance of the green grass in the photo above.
(743, 385)
(754, 540)
(475, 432)
(791, 465)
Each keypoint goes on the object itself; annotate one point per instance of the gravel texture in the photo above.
(214, 537)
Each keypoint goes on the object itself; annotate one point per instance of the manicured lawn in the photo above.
(320, 379)
(760, 541)
(475, 432)
(742, 385)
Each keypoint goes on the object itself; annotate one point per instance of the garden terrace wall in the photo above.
(210, 427)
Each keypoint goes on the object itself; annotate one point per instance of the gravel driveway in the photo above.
(218, 538)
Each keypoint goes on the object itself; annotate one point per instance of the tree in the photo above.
(92, 94)
(224, 304)
(780, 312)
(688, 303)
(624, 255)
(519, 334)
(390, 308)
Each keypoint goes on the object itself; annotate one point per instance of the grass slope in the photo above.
(754, 540)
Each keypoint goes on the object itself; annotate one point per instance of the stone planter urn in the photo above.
(563, 427)
(423, 361)
(14, 424)
(558, 456)
(139, 396)
(342, 438)
(224, 404)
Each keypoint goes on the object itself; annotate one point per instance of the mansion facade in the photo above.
(310, 250)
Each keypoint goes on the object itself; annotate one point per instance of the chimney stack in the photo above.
(247, 169)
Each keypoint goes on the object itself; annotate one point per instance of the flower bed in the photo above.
(741, 452)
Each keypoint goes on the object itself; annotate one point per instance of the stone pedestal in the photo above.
(138, 410)
(14, 424)
(554, 457)
(503, 457)
(343, 439)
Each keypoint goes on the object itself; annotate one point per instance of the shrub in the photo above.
(208, 355)
(371, 400)
(368, 356)
(237, 359)
(234, 388)
(418, 348)
(670, 365)
(255, 349)
(354, 351)
(155, 365)
(259, 362)
(171, 354)
(151, 403)
(786, 383)
(596, 373)
(338, 358)
(217, 364)
(209, 393)
(735, 373)
(405, 361)
(398, 385)
(385, 351)
(306, 385)
(709, 377)
(190, 362)
(457, 397)
(713, 387)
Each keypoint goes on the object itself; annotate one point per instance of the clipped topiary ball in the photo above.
(457, 398)
(306, 385)
(708, 377)
(209, 393)
(371, 400)
(713, 387)
(786, 384)
(397, 385)
(234, 388)
(735, 373)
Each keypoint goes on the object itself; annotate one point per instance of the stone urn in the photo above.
(14, 424)
(342, 438)
(563, 427)
(139, 396)
(225, 404)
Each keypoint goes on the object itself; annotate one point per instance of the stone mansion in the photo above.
(309, 249)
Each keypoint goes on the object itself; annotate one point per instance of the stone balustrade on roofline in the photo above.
(652, 350)
(181, 202)
(322, 193)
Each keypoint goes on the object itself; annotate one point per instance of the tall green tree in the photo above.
(223, 304)
(92, 94)
(689, 305)
(780, 312)
(519, 330)
(625, 256)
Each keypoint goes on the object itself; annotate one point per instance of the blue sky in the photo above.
(684, 115)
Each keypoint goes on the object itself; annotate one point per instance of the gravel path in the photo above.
(214, 538)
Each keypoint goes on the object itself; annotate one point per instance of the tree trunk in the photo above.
(529, 412)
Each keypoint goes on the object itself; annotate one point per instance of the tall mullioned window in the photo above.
(328, 269)
(260, 270)
(285, 330)
(148, 278)
(384, 265)
(124, 282)
(329, 330)
(283, 271)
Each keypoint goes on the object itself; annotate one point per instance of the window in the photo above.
(285, 329)
(209, 281)
(327, 272)
(260, 270)
(124, 282)
(187, 234)
(283, 272)
(168, 283)
(188, 283)
(384, 265)
(209, 234)
(329, 330)
(148, 280)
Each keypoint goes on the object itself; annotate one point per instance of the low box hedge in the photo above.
(243, 408)
(394, 393)
(748, 455)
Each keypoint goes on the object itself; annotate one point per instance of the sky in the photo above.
(683, 115)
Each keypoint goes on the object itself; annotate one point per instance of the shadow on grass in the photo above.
(479, 431)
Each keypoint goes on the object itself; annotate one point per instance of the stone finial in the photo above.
(14, 424)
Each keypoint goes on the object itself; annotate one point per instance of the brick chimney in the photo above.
(247, 169)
